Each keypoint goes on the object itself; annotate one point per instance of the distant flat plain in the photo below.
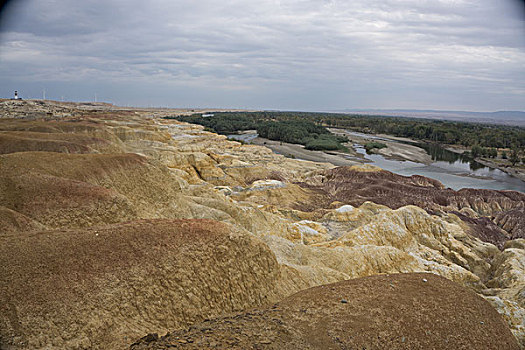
(516, 118)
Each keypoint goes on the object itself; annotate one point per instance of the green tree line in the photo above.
(293, 130)
(301, 127)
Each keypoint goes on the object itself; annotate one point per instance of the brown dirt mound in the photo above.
(16, 141)
(12, 221)
(51, 126)
(401, 311)
(100, 288)
(85, 131)
(77, 190)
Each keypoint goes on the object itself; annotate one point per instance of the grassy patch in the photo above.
(372, 146)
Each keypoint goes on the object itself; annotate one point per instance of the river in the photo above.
(452, 169)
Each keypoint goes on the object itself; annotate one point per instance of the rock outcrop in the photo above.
(147, 185)
(495, 216)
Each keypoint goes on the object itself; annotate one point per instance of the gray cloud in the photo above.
(299, 54)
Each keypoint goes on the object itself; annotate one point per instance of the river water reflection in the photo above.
(453, 170)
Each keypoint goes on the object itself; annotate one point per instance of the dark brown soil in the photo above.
(401, 311)
(102, 287)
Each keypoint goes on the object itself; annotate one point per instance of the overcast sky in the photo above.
(288, 54)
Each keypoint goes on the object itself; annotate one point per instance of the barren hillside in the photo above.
(116, 223)
(401, 311)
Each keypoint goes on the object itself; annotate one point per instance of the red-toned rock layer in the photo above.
(494, 216)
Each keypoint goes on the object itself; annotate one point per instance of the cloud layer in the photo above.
(295, 54)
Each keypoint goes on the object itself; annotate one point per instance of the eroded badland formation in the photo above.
(116, 224)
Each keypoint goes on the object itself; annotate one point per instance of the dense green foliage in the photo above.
(478, 151)
(301, 127)
(514, 156)
(448, 132)
(323, 142)
(292, 130)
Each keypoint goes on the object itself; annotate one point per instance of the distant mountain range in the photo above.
(500, 117)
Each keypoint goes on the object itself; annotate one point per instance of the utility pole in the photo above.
(44, 94)
(95, 97)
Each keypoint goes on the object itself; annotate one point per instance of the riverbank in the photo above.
(395, 148)
(402, 148)
(292, 150)
(518, 172)
(504, 165)
(401, 156)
